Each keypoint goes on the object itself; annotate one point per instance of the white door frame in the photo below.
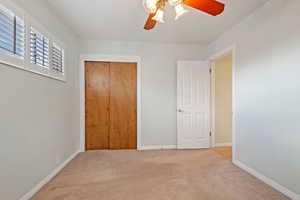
(109, 58)
(219, 54)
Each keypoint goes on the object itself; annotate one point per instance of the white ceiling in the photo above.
(124, 20)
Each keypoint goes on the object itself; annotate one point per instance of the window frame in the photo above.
(40, 29)
(25, 63)
(35, 61)
(61, 75)
(14, 60)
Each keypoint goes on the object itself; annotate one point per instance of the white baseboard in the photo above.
(268, 181)
(34, 190)
(169, 147)
(158, 147)
(223, 145)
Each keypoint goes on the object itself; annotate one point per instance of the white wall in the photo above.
(267, 90)
(39, 116)
(159, 68)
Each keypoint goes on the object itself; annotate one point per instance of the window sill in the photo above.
(24, 68)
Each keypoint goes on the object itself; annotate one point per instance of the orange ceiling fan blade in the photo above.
(150, 24)
(211, 7)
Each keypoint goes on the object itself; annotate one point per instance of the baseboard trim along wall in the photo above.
(268, 181)
(34, 190)
(157, 147)
(223, 145)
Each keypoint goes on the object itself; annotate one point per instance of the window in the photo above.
(39, 49)
(57, 58)
(26, 44)
(12, 33)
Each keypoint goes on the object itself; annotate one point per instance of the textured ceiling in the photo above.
(124, 20)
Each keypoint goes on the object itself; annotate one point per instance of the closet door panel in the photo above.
(97, 90)
(123, 106)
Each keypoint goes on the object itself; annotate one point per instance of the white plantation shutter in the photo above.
(27, 44)
(39, 49)
(12, 33)
(57, 58)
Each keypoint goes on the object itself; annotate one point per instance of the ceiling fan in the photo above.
(155, 8)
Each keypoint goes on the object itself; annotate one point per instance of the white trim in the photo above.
(267, 180)
(212, 104)
(109, 58)
(158, 147)
(20, 67)
(169, 147)
(224, 52)
(223, 145)
(36, 188)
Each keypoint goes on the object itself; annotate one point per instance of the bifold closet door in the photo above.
(97, 89)
(111, 105)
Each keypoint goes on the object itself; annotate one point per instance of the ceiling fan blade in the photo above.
(211, 7)
(150, 24)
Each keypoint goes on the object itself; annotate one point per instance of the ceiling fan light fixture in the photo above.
(157, 9)
(159, 17)
(180, 11)
(174, 2)
(150, 5)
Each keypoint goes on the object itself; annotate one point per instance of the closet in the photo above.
(110, 105)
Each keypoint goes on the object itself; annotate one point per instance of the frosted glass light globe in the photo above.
(150, 5)
(159, 17)
(179, 9)
(174, 2)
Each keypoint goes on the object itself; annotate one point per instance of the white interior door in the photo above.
(193, 105)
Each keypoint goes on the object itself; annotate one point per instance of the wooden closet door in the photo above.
(123, 106)
(97, 91)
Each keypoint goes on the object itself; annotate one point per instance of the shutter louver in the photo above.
(12, 33)
(39, 49)
(57, 59)
(20, 37)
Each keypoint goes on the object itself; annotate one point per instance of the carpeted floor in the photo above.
(155, 175)
(226, 152)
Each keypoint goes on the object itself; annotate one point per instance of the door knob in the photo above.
(179, 110)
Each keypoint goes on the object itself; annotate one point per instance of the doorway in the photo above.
(110, 105)
(222, 94)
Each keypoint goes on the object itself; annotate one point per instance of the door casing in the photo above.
(218, 54)
(213, 101)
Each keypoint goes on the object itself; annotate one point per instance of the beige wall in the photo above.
(223, 99)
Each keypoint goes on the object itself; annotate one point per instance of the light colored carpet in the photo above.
(226, 152)
(155, 175)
